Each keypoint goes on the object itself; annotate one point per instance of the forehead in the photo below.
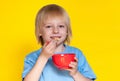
(54, 18)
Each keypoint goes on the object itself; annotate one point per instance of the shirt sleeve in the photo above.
(28, 64)
(84, 68)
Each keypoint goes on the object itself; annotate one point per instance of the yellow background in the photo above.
(96, 31)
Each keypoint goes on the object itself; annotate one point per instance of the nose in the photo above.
(55, 30)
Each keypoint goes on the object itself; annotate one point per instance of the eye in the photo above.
(48, 26)
(61, 26)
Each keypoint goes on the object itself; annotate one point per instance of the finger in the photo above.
(46, 43)
(52, 49)
(52, 46)
(74, 63)
(52, 43)
(68, 69)
(73, 66)
(75, 58)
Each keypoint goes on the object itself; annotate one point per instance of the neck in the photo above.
(60, 48)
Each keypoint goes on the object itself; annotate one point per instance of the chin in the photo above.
(59, 43)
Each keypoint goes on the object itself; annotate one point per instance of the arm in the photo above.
(77, 76)
(46, 53)
(80, 77)
(36, 71)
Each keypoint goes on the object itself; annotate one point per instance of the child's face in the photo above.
(54, 28)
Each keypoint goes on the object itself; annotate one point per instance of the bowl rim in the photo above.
(63, 54)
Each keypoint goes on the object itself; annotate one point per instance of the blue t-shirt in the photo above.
(52, 73)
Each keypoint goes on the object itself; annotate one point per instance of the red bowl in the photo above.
(62, 61)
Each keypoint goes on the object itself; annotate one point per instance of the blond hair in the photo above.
(51, 10)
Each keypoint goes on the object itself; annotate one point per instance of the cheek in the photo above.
(45, 35)
(64, 32)
(46, 32)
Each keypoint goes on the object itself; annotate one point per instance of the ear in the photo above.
(40, 34)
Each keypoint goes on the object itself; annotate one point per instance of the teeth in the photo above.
(56, 38)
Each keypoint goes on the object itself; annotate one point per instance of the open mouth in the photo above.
(57, 38)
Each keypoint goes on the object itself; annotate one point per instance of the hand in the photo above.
(73, 67)
(49, 48)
